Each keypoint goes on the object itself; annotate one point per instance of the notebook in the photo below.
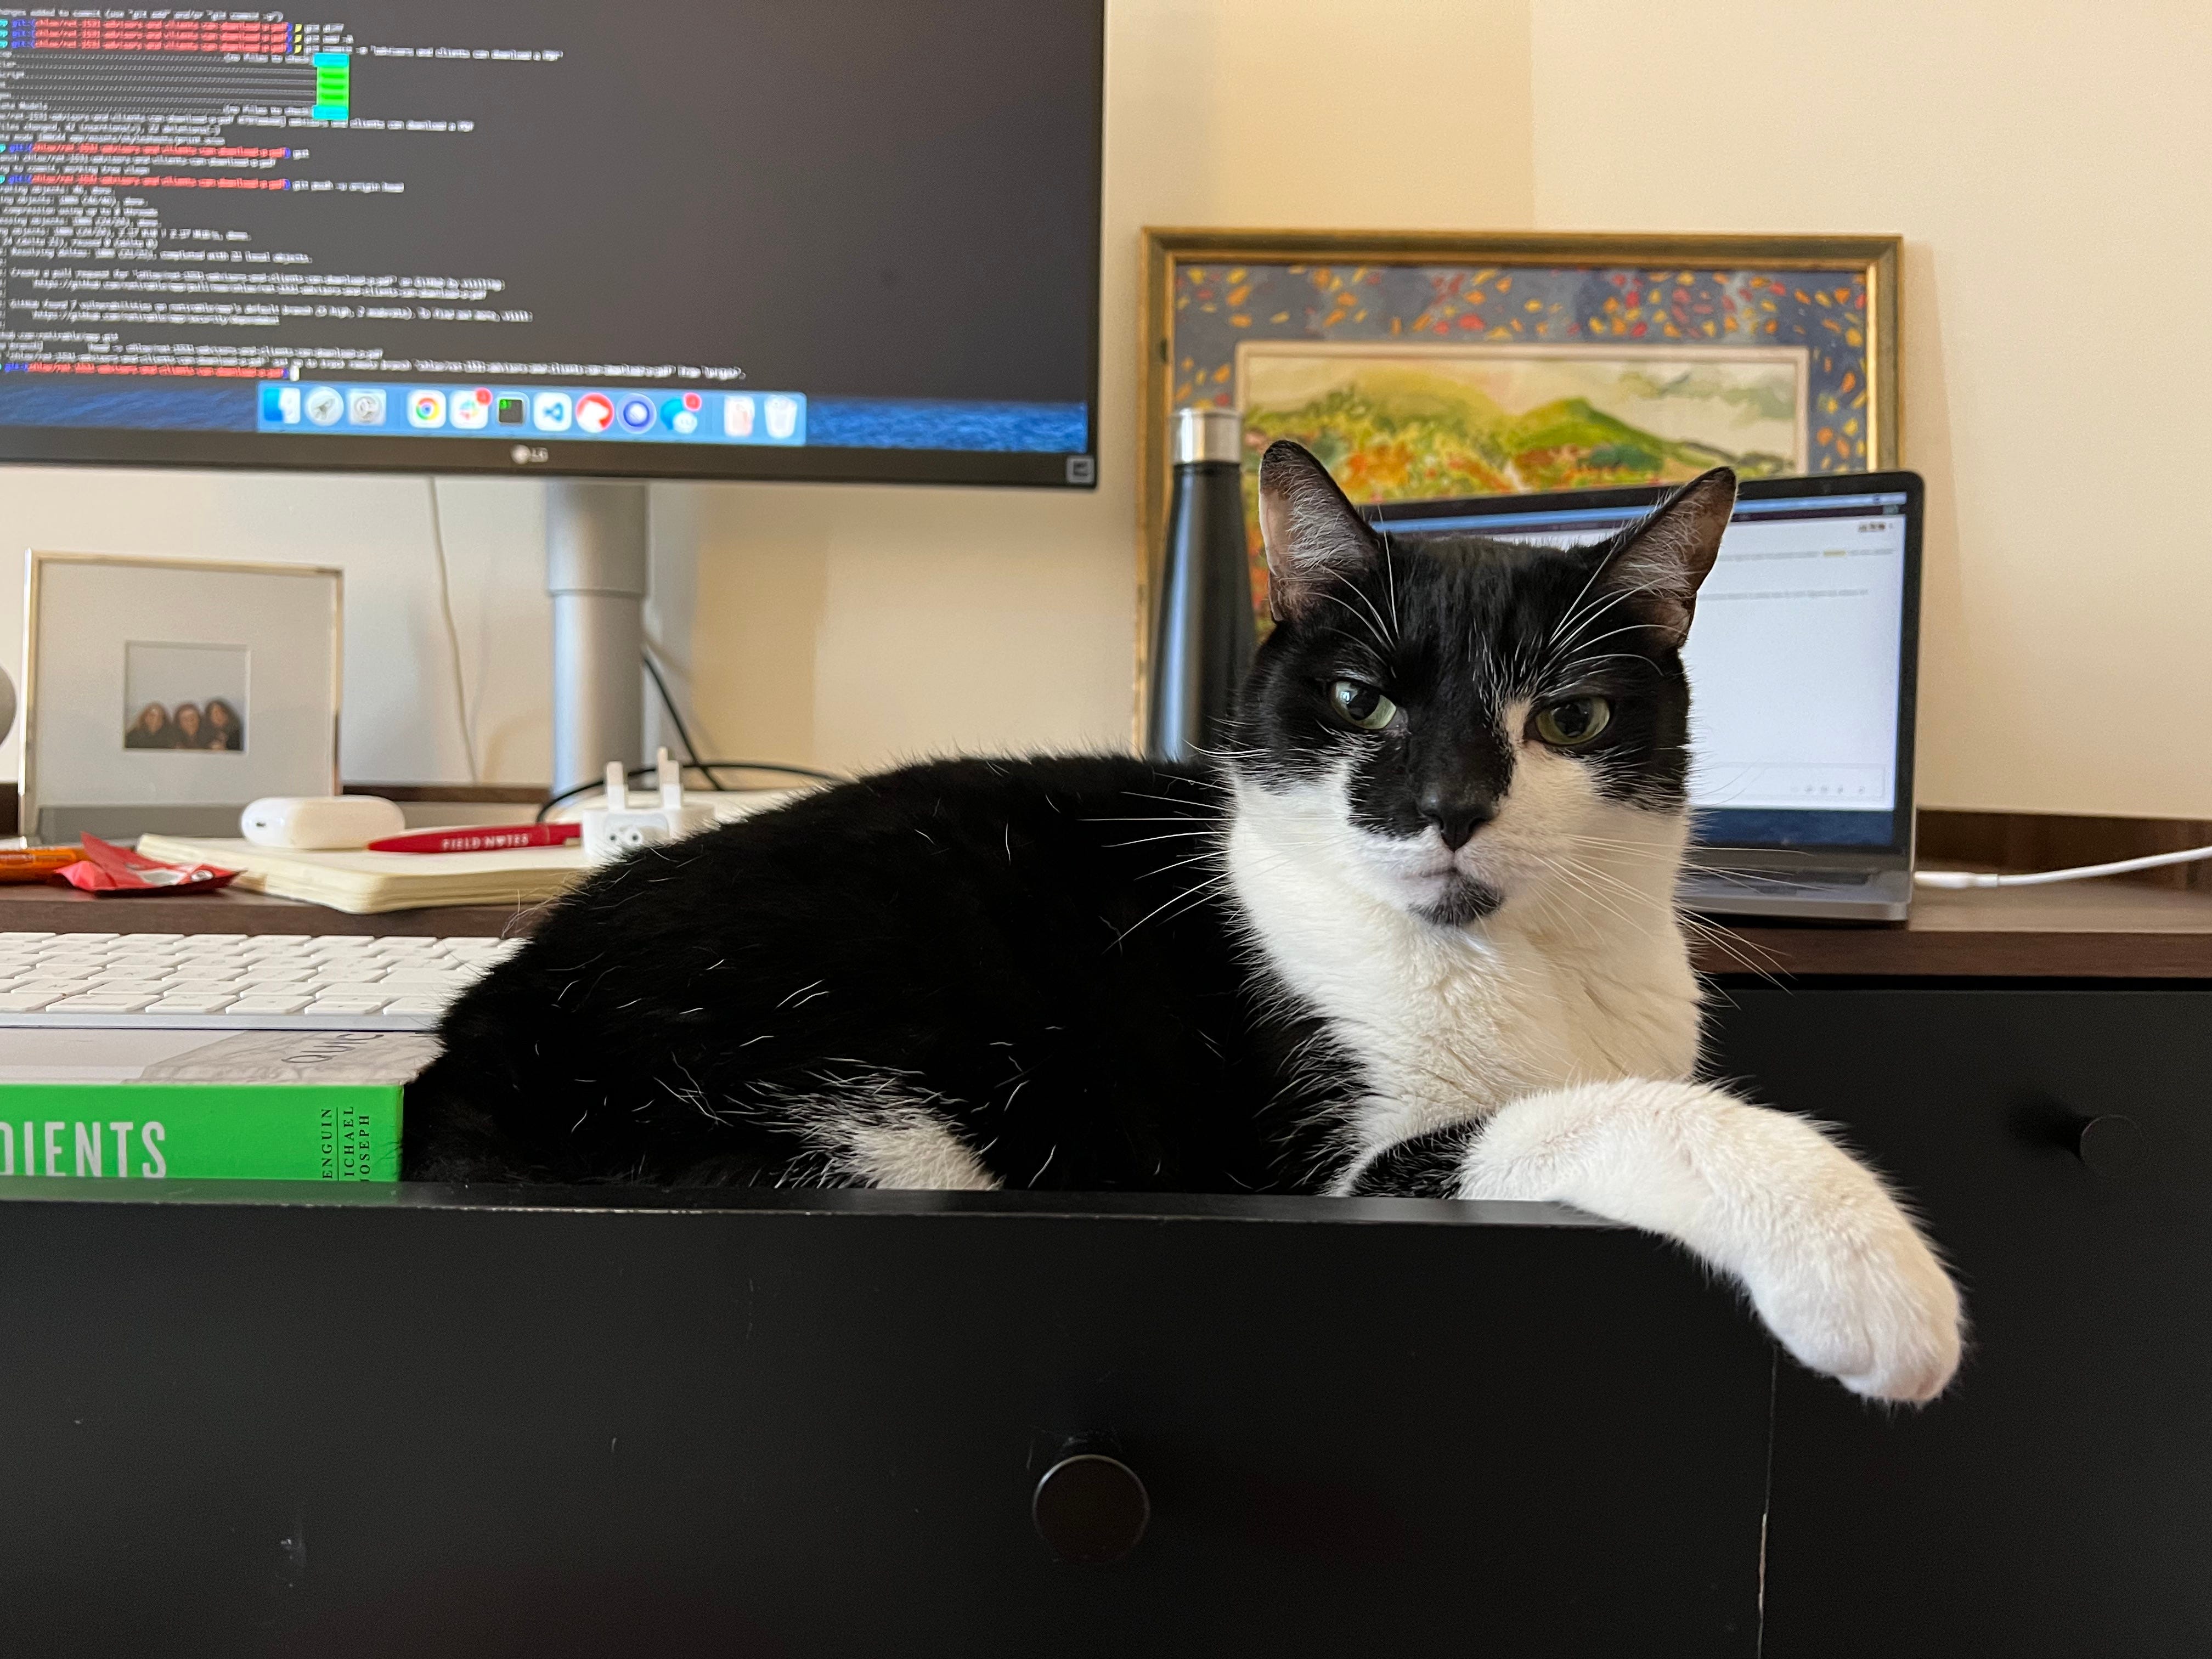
(367, 884)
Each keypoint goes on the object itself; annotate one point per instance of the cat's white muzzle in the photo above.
(1420, 874)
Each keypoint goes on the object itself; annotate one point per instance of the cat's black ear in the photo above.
(1659, 561)
(1314, 535)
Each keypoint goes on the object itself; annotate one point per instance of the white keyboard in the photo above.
(237, 982)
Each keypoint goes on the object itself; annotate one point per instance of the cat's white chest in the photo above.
(1448, 1024)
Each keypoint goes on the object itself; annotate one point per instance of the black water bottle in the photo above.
(1202, 639)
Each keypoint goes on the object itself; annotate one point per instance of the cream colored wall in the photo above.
(857, 626)
(2045, 163)
(2026, 153)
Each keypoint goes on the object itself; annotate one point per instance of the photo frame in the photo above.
(1435, 364)
(163, 694)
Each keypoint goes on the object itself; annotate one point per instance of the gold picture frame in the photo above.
(1209, 296)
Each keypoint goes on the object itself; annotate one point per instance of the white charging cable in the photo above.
(1956, 878)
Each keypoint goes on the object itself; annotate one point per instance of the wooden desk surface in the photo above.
(2086, 929)
(34, 907)
(2076, 930)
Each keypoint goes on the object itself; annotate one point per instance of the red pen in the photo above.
(496, 838)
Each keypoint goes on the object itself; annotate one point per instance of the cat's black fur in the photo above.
(1043, 955)
(1034, 949)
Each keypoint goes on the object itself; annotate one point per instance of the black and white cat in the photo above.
(1416, 935)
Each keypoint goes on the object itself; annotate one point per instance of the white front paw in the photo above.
(1866, 1303)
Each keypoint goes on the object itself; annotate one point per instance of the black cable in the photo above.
(690, 749)
(637, 772)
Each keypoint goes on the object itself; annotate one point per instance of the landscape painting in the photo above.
(1414, 424)
(1402, 423)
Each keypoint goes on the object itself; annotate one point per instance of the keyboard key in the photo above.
(189, 1005)
(145, 990)
(368, 1004)
(416, 1005)
(24, 1002)
(252, 1003)
(100, 1005)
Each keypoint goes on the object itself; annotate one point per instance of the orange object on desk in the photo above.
(34, 863)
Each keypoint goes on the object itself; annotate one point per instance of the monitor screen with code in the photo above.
(681, 237)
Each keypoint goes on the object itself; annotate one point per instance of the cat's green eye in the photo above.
(1362, 706)
(1573, 723)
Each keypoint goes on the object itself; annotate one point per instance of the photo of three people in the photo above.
(184, 696)
(187, 727)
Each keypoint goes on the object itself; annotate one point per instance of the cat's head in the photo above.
(1458, 725)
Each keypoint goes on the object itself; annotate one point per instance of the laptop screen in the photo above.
(1799, 658)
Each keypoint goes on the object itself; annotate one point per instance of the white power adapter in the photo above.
(617, 829)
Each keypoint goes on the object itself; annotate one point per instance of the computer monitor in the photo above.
(1801, 659)
(846, 240)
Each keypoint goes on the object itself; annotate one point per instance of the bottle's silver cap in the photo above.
(1206, 433)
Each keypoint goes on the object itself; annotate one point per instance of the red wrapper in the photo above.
(115, 871)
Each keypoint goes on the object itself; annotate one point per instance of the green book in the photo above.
(154, 1105)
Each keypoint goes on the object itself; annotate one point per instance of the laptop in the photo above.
(1801, 664)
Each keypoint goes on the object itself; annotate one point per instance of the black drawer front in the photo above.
(331, 1432)
(2059, 1502)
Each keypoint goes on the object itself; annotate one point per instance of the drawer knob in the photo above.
(2110, 1143)
(1090, 1508)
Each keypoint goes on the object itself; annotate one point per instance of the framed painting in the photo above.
(1434, 365)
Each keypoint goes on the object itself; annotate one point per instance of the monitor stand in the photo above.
(595, 571)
